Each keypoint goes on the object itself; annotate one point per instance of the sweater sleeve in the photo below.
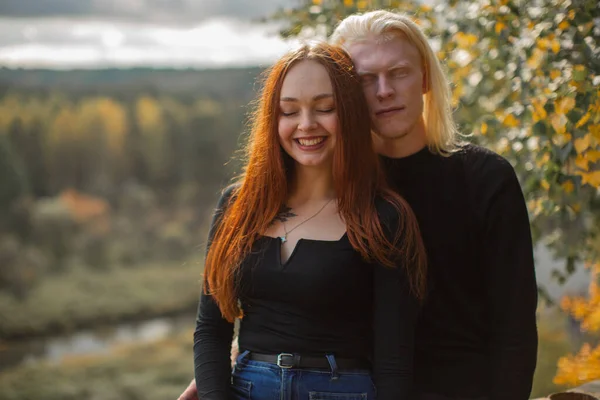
(213, 335)
(510, 283)
(394, 320)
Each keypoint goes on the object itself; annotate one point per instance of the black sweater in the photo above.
(476, 334)
(324, 300)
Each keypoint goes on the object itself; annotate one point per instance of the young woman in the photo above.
(311, 251)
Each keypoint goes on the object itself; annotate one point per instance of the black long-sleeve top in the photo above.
(476, 335)
(323, 300)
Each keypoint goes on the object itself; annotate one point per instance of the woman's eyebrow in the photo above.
(315, 98)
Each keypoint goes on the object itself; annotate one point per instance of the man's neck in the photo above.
(404, 146)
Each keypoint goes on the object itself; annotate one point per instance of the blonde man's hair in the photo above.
(442, 133)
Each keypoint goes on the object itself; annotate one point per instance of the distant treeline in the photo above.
(93, 130)
(113, 168)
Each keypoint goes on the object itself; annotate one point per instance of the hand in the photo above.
(190, 393)
(235, 351)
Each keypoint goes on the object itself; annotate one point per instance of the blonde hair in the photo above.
(442, 133)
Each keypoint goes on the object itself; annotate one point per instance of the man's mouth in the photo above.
(388, 111)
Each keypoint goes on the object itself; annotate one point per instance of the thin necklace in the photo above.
(284, 237)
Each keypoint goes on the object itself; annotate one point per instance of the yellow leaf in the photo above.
(555, 74)
(465, 40)
(544, 183)
(583, 120)
(571, 14)
(536, 58)
(348, 3)
(361, 4)
(510, 121)
(591, 178)
(563, 25)
(582, 162)
(582, 144)
(593, 155)
(595, 131)
(580, 68)
(568, 186)
(539, 112)
(499, 27)
(316, 2)
(542, 44)
(555, 45)
(559, 123)
(484, 128)
(564, 105)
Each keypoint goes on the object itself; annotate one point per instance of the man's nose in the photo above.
(384, 88)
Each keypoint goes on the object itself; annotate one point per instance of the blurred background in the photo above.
(119, 124)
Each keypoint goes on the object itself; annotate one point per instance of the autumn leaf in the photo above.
(559, 122)
(564, 105)
(500, 26)
(465, 40)
(510, 121)
(593, 155)
(568, 187)
(582, 162)
(591, 178)
(582, 144)
(539, 112)
(583, 120)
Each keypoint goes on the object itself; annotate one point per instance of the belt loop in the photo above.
(241, 358)
(333, 365)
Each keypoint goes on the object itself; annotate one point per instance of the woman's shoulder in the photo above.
(228, 194)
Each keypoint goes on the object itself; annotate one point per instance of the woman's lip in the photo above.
(313, 146)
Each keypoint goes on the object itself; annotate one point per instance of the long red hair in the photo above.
(358, 181)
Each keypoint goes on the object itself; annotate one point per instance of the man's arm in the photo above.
(510, 283)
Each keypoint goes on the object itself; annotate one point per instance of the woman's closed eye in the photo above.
(327, 110)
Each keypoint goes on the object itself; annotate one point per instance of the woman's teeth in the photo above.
(310, 142)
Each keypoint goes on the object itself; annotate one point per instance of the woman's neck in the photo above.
(310, 185)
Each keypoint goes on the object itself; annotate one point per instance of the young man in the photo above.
(477, 335)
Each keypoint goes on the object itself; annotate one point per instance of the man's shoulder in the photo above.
(482, 164)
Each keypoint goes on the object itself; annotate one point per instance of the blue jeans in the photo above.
(256, 380)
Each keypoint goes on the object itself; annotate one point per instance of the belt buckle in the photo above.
(280, 358)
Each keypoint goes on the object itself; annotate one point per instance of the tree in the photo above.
(12, 177)
(525, 80)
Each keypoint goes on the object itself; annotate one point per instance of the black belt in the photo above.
(287, 360)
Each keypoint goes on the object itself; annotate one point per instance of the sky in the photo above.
(65, 34)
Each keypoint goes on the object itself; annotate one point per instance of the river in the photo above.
(90, 341)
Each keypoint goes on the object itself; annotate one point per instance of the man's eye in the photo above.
(366, 79)
(399, 73)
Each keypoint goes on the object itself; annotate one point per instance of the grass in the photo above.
(153, 371)
(84, 298)
(553, 344)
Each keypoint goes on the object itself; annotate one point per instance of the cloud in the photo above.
(90, 43)
(164, 11)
